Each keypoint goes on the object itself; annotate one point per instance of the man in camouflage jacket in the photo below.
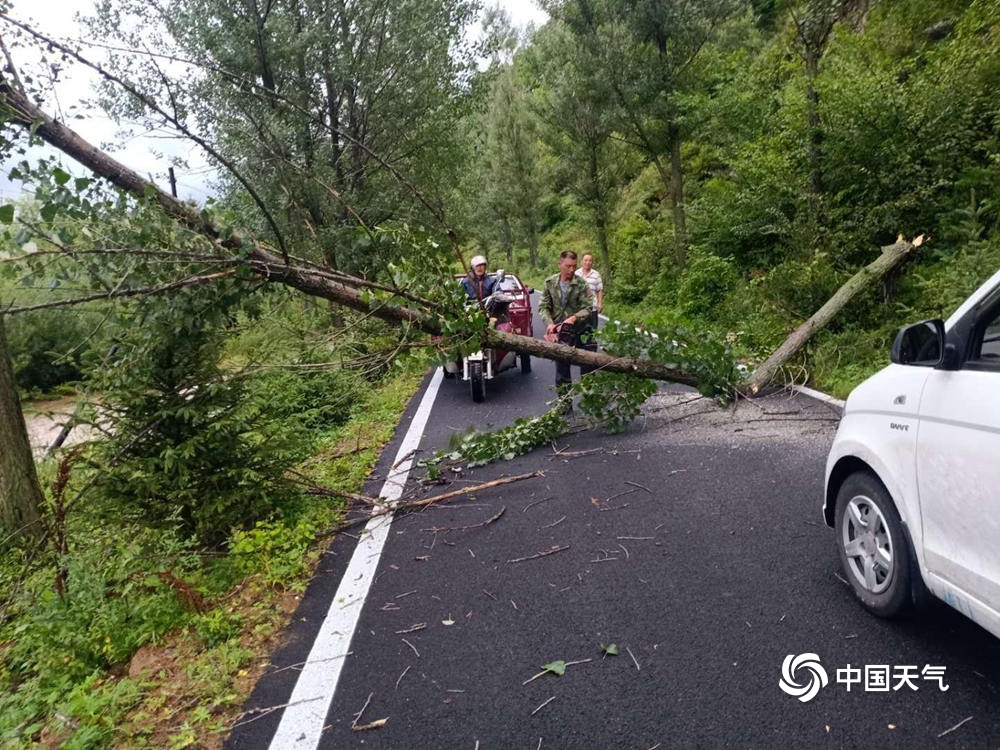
(567, 299)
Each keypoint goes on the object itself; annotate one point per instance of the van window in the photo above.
(986, 347)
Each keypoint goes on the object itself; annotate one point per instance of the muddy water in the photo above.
(44, 420)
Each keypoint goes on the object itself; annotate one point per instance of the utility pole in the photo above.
(173, 182)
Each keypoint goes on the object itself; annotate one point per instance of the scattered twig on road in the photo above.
(627, 556)
(411, 646)
(575, 454)
(400, 679)
(617, 507)
(640, 486)
(260, 713)
(405, 593)
(487, 522)
(470, 490)
(412, 628)
(952, 729)
(539, 744)
(540, 708)
(514, 605)
(551, 551)
(841, 578)
(636, 661)
(537, 502)
(491, 596)
(620, 494)
(370, 725)
(626, 538)
(299, 665)
(554, 523)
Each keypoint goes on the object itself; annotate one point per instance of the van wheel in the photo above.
(874, 551)
(477, 382)
(525, 364)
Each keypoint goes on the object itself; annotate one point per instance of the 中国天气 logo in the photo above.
(813, 671)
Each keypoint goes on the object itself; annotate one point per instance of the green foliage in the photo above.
(49, 349)
(217, 627)
(701, 354)
(526, 434)
(612, 399)
(704, 283)
(192, 448)
(274, 549)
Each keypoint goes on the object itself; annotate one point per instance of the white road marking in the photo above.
(303, 720)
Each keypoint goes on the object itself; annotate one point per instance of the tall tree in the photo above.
(646, 48)
(20, 493)
(511, 153)
(297, 97)
(570, 96)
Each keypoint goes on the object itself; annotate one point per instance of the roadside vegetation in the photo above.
(152, 605)
(729, 164)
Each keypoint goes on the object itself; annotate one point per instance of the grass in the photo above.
(186, 685)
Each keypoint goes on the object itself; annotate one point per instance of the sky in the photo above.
(147, 154)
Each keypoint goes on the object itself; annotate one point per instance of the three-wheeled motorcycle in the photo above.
(510, 307)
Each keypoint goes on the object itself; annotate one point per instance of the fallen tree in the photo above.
(349, 291)
(892, 255)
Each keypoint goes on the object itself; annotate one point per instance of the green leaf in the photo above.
(557, 668)
(7, 213)
(61, 177)
(610, 650)
(48, 211)
(82, 183)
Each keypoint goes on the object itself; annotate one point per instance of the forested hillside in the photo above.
(730, 164)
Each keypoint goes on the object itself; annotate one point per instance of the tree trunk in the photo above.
(815, 140)
(20, 494)
(677, 194)
(597, 200)
(891, 257)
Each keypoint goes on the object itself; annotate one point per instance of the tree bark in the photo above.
(677, 194)
(891, 257)
(20, 493)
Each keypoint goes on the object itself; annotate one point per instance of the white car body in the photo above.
(931, 434)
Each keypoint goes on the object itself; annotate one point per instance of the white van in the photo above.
(913, 477)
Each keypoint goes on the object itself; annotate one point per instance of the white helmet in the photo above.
(477, 260)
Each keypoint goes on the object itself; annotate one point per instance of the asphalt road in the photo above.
(694, 543)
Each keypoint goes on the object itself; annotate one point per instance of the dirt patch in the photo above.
(45, 419)
(150, 661)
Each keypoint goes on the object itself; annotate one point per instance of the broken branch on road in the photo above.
(550, 551)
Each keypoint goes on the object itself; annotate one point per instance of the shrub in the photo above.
(48, 348)
(704, 283)
(191, 448)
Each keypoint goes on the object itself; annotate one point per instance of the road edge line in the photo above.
(303, 719)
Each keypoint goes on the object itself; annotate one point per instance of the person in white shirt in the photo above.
(596, 284)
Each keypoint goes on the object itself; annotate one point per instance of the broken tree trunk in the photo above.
(892, 255)
(270, 266)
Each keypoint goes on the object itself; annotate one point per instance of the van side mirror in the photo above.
(922, 344)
